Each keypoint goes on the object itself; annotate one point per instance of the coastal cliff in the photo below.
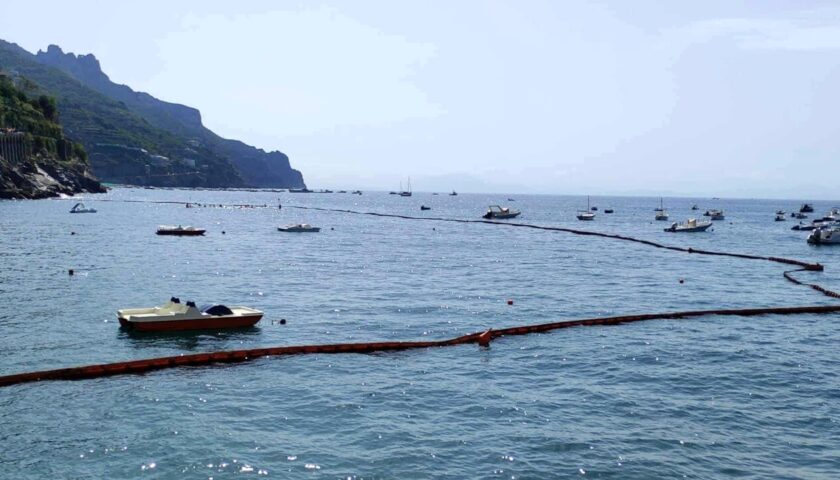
(36, 160)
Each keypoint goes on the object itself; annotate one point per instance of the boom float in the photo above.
(482, 338)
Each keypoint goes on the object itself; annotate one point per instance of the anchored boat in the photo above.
(174, 316)
(806, 208)
(661, 214)
(825, 236)
(691, 225)
(299, 227)
(80, 208)
(586, 215)
(497, 212)
(180, 231)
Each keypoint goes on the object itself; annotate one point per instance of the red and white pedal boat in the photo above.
(176, 316)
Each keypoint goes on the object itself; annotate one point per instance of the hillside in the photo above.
(257, 167)
(36, 159)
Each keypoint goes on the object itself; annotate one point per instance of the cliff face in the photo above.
(256, 167)
(36, 160)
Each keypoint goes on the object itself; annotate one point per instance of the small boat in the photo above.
(497, 212)
(780, 217)
(80, 208)
(299, 227)
(715, 214)
(435, 193)
(661, 214)
(406, 193)
(804, 226)
(300, 190)
(695, 207)
(423, 207)
(608, 210)
(342, 191)
(806, 208)
(174, 316)
(586, 215)
(454, 193)
(691, 225)
(594, 208)
(799, 215)
(187, 231)
(780, 212)
(511, 200)
(825, 236)
(357, 192)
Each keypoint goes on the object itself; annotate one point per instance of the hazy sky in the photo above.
(708, 98)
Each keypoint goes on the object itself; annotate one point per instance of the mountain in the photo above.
(135, 138)
(257, 167)
(36, 159)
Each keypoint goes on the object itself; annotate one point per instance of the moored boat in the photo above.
(825, 236)
(806, 208)
(608, 210)
(299, 227)
(423, 207)
(715, 214)
(187, 231)
(780, 217)
(586, 215)
(497, 212)
(691, 225)
(80, 208)
(661, 214)
(174, 316)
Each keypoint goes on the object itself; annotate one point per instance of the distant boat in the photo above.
(714, 214)
(799, 215)
(586, 215)
(300, 190)
(695, 207)
(423, 207)
(780, 217)
(594, 208)
(497, 212)
(780, 212)
(661, 214)
(299, 228)
(511, 200)
(80, 208)
(691, 225)
(435, 193)
(180, 231)
(357, 192)
(608, 210)
(406, 193)
(806, 208)
(454, 193)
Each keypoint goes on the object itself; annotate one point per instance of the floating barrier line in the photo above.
(482, 338)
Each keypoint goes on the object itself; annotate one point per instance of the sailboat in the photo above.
(661, 214)
(586, 214)
(406, 193)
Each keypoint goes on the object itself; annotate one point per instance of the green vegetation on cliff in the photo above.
(36, 159)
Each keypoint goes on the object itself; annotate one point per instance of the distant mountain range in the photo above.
(132, 137)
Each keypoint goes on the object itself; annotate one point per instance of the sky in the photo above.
(713, 98)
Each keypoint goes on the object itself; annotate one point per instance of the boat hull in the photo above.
(181, 233)
(209, 323)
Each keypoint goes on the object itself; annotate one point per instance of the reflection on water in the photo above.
(190, 340)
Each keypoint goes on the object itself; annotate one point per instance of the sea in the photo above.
(707, 397)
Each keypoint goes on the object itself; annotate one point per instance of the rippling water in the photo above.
(702, 398)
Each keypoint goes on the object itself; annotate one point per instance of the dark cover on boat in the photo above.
(216, 310)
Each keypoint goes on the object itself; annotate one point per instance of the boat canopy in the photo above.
(216, 310)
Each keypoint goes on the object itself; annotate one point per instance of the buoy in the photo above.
(72, 233)
(282, 321)
(682, 281)
(70, 272)
(510, 302)
(223, 232)
(484, 338)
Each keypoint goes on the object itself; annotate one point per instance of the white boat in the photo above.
(825, 236)
(691, 225)
(80, 208)
(586, 215)
(176, 316)
(780, 212)
(497, 212)
(661, 214)
(299, 227)
(180, 231)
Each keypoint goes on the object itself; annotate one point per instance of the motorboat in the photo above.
(497, 212)
(81, 208)
(780, 217)
(715, 214)
(299, 227)
(300, 190)
(806, 208)
(174, 315)
(608, 210)
(586, 215)
(594, 208)
(799, 215)
(423, 207)
(661, 214)
(780, 212)
(454, 193)
(695, 207)
(357, 192)
(187, 231)
(825, 236)
(691, 225)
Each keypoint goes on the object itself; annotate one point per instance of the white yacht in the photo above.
(299, 227)
(691, 225)
(825, 236)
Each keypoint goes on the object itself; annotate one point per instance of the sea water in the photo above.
(753, 397)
